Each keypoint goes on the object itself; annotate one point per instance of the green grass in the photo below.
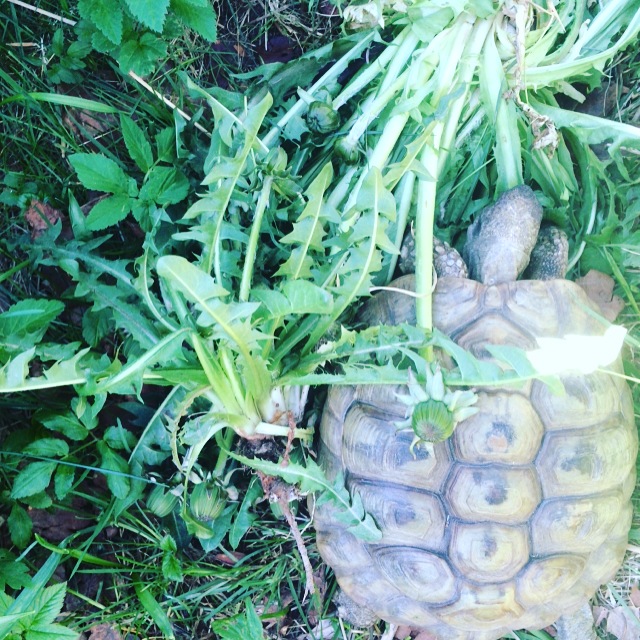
(119, 565)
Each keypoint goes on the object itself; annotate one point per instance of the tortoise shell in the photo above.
(518, 517)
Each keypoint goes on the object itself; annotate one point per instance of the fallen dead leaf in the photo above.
(104, 632)
(634, 596)
(621, 623)
(599, 287)
(40, 216)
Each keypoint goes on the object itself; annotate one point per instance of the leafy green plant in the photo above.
(163, 183)
(31, 615)
(136, 32)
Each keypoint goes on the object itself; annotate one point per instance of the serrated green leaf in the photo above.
(33, 479)
(306, 297)
(108, 212)
(51, 632)
(190, 280)
(98, 172)
(20, 526)
(13, 573)
(106, 15)
(48, 604)
(15, 371)
(151, 13)
(118, 469)
(165, 185)
(120, 438)
(65, 423)
(141, 56)
(63, 481)
(47, 448)
(198, 16)
(29, 318)
(137, 144)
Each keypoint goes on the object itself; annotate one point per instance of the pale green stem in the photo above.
(468, 63)
(425, 215)
(250, 255)
(268, 429)
(372, 111)
(392, 131)
(404, 199)
(374, 68)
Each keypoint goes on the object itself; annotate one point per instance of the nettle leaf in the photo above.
(137, 144)
(117, 471)
(20, 526)
(197, 15)
(98, 172)
(24, 324)
(108, 212)
(165, 185)
(33, 479)
(65, 423)
(63, 481)
(48, 604)
(151, 13)
(106, 15)
(13, 573)
(47, 448)
(140, 56)
(311, 478)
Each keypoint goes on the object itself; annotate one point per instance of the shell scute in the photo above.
(405, 515)
(578, 463)
(493, 493)
(579, 524)
(374, 447)
(545, 579)
(506, 430)
(420, 574)
(489, 552)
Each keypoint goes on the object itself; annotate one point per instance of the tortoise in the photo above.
(519, 516)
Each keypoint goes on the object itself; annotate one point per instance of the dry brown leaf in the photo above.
(621, 624)
(634, 596)
(104, 632)
(599, 287)
(40, 216)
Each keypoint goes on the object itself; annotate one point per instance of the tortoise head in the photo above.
(500, 241)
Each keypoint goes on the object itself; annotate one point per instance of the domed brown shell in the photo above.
(519, 516)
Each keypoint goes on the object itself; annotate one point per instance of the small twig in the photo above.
(43, 12)
(280, 492)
